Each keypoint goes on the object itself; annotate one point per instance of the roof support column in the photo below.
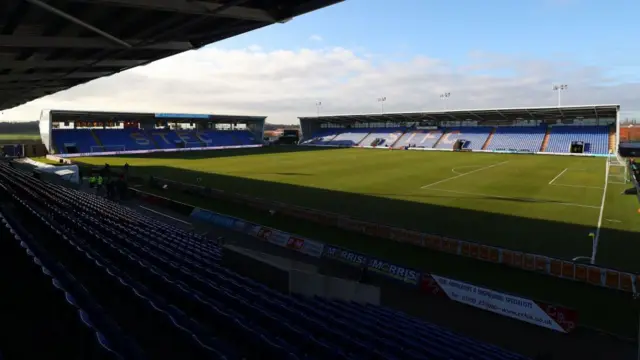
(77, 21)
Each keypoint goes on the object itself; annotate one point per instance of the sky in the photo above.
(486, 53)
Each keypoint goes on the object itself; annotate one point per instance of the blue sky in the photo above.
(487, 53)
(597, 32)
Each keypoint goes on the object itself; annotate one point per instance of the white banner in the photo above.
(506, 305)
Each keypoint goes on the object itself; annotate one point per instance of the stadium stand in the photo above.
(518, 138)
(419, 138)
(596, 139)
(68, 140)
(128, 138)
(476, 137)
(161, 292)
(508, 138)
(322, 137)
(350, 137)
(135, 139)
(385, 137)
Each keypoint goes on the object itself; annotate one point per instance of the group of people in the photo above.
(105, 181)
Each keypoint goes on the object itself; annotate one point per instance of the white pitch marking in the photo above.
(604, 197)
(461, 175)
(613, 221)
(165, 215)
(580, 186)
(463, 167)
(516, 198)
(557, 176)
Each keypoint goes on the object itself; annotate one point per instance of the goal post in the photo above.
(107, 148)
(618, 169)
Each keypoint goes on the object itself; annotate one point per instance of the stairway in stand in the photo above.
(360, 143)
(398, 139)
(612, 138)
(488, 141)
(95, 138)
(435, 145)
(545, 141)
(153, 141)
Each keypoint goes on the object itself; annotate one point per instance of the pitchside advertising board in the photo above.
(533, 312)
(273, 236)
(385, 268)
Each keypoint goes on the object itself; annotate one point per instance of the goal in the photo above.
(107, 148)
(618, 169)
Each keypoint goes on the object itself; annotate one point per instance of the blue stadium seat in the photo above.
(476, 136)
(596, 139)
(124, 139)
(168, 292)
(81, 139)
(384, 137)
(349, 137)
(419, 139)
(518, 138)
(322, 137)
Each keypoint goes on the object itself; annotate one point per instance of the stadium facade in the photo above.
(580, 130)
(79, 133)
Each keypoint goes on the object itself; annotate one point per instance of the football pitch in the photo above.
(539, 204)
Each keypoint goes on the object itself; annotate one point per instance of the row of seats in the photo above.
(516, 138)
(104, 140)
(595, 138)
(117, 284)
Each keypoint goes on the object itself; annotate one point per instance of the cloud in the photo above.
(284, 84)
(317, 38)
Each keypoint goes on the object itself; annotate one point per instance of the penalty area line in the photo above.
(461, 175)
(557, 176)
(515, 198)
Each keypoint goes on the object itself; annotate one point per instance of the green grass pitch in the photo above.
(541, 204)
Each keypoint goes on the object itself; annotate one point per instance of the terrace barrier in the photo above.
(537, 313)
(565, 269)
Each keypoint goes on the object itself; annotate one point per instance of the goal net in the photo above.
(107, 148)
(618, 169)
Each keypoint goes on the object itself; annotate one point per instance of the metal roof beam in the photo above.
(63, 64)
(75, 20)
(18, 41)
(52, 76)
(43, 85)
(191, 7)
(476, 115)
(7, 95)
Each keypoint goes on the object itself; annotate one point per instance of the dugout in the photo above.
(608, 114)
(71, 119)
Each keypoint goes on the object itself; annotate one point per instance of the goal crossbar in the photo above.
(618, 169)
